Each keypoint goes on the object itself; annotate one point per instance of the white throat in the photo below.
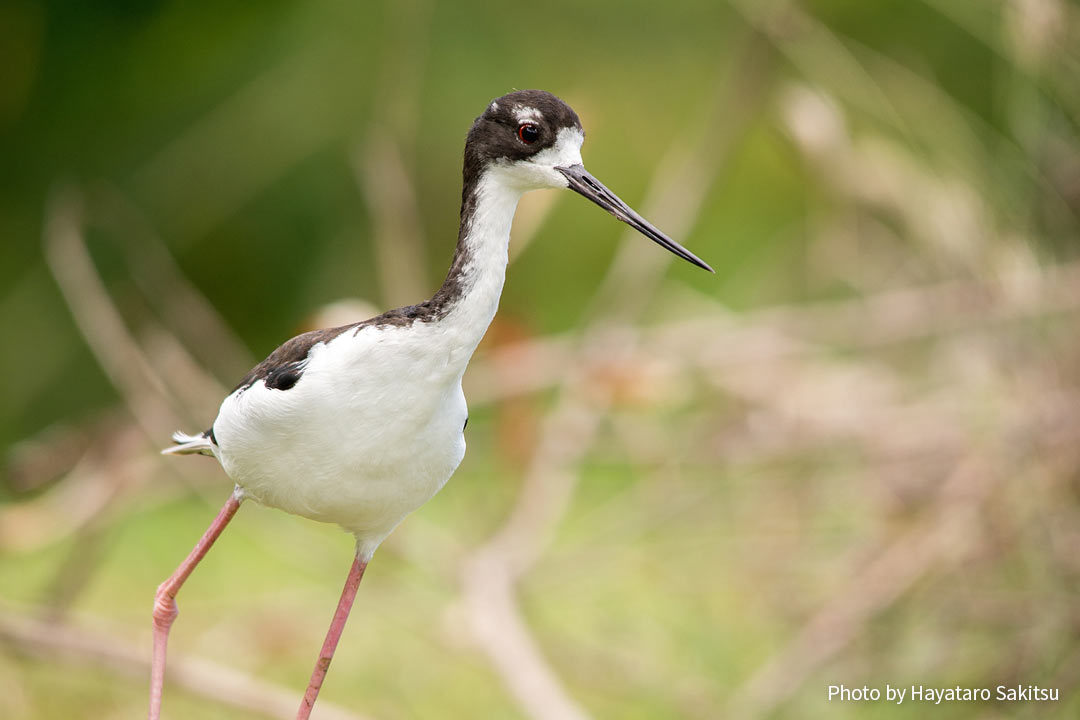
(478, 272)
(485, 242)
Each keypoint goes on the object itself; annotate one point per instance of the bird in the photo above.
(359, 425)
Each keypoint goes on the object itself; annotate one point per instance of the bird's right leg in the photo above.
(337, 625)
(165, 600)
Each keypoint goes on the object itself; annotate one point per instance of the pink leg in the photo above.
(165, 610)
(332, 636)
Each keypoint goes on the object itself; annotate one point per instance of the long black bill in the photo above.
(582, 182)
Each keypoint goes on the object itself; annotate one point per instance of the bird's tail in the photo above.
(190, 444)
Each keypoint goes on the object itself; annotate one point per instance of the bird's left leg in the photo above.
(165, 611)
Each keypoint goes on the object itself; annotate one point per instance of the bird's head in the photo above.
(531, 140)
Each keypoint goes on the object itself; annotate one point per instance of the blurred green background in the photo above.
(851, 457)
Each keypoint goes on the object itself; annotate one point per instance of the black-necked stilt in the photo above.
(361, 424)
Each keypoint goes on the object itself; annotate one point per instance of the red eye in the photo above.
(529, 133)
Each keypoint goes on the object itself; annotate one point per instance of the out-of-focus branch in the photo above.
(115, 459)
(895, 569)
(490, 573)
(67, 505)
(182, 306)
(206, 679)
(680, 185)
(398, 237)
(948, 532)
(675, 198)
(97, 318)
(381, 163)
(875, 321)
(82, 500)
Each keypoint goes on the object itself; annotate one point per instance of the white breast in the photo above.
(370, 432)
(373, 428)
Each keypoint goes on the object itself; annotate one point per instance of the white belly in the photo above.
(370, 432)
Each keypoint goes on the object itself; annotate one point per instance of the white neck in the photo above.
(480, 259)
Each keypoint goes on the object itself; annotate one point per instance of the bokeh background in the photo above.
(850, 457)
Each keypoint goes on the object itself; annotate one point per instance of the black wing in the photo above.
(283, 368)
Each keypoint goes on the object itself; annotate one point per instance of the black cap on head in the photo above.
(500, 132)
(518, 126)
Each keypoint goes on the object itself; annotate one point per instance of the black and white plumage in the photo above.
(360, 425)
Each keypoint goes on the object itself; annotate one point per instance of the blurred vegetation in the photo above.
(851, 457)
